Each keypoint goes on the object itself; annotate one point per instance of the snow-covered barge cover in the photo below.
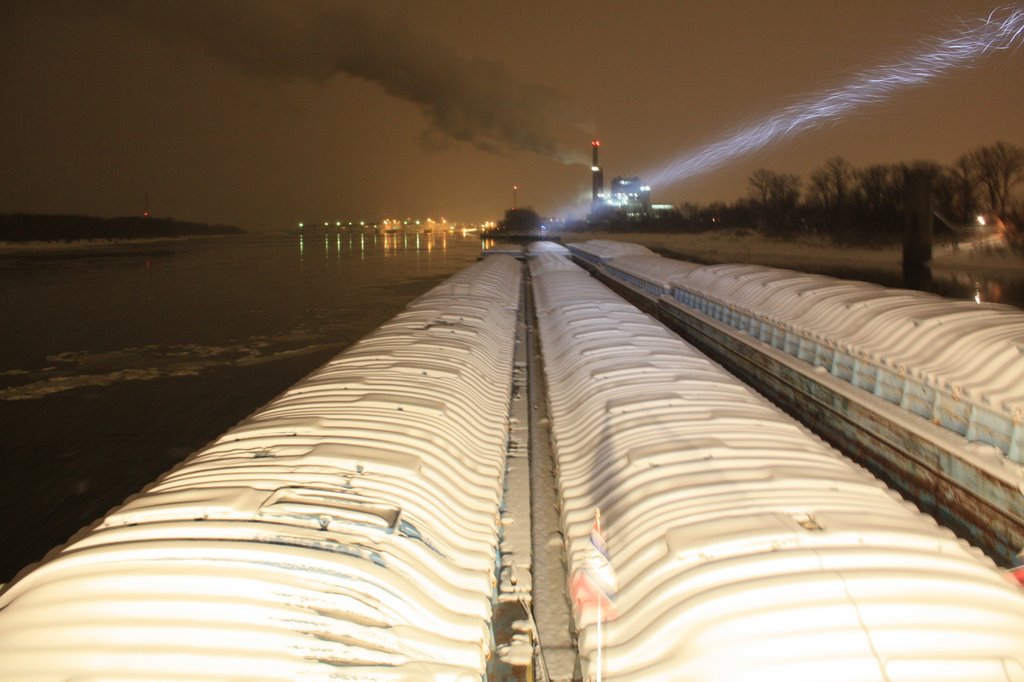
(346, 530)
(959, 364)
(745, 548)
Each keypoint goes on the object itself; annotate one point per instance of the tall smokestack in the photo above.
(596, 172)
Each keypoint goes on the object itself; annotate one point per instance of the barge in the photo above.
(378, 521)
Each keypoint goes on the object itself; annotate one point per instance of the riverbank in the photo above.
(747, 246)
(34, 227)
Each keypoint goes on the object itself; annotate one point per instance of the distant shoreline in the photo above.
(26, 228)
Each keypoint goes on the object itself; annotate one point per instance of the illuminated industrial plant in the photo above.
(628, 196)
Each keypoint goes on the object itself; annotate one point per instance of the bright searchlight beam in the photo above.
(1003, 29)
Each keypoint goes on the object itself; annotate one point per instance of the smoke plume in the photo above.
(468, 100)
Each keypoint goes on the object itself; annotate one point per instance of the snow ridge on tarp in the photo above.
(600, 250)
(347, 530)
(745, 547)
(959, 364)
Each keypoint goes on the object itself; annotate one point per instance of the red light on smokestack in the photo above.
(596, 143)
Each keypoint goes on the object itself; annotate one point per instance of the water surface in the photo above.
(117, 362)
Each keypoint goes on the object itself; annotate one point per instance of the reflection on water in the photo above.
(116, 363)
(997, 281)
(978, 285)
(389, 244)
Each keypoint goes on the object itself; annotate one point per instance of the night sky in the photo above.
(261, 114)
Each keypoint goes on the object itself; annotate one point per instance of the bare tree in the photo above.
(831, 185)
(879, 188)
(993, 172)
(962, 199)
(769, 188)
(776, 195)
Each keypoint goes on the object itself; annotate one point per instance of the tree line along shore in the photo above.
(841, 204)
(24, 227)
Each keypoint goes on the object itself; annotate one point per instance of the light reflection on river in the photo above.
(982, 285)
(985, 284)
(118, 361)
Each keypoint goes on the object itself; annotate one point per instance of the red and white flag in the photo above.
(593, 586)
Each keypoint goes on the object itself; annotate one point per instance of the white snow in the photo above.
(347, 530)
(745, 547)
(958, 363)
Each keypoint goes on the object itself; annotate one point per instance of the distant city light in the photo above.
(393, 226)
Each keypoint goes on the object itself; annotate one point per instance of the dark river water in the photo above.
(116, 362)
